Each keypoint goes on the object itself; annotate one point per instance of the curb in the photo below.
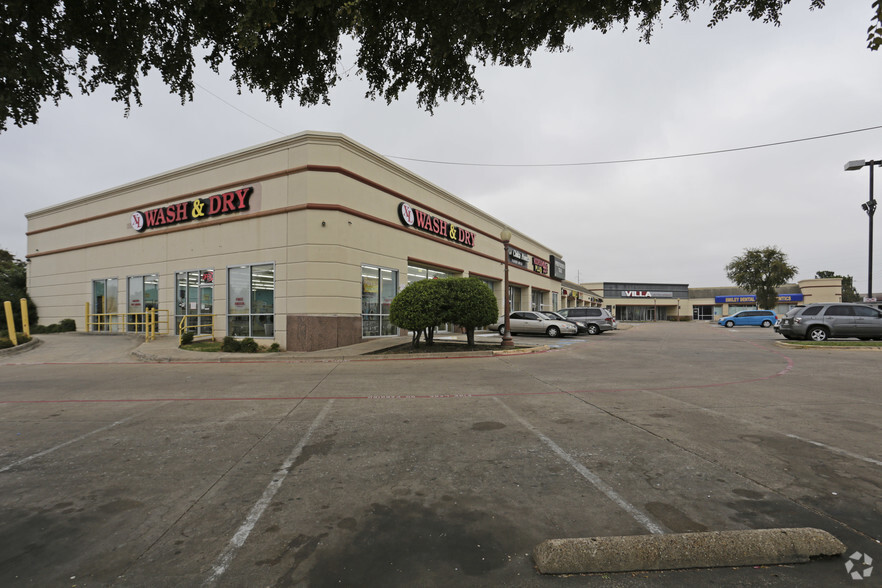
(797, 345)
(34, 342)
(684, 550)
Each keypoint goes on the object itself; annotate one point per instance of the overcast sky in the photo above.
(691, 90)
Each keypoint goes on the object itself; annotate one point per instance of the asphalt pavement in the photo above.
(120, 469)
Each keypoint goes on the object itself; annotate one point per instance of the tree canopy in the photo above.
(14, 287)
(849, 293)
(291, 48)
(761, 271)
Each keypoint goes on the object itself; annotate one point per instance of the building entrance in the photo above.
(195, 301)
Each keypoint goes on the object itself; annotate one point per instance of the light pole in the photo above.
(507, 341)
(870, 208)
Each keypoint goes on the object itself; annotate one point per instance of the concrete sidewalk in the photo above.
(165, 349)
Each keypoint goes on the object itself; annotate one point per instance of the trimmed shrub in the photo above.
(230, 345)
(419, 309)
(248, 345)
(67, 325)
(186, 338)
(275, 347)
(469, 303)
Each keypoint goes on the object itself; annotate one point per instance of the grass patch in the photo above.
(217, 346)
(210, 346)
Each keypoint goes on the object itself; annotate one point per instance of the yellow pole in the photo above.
(10, 322)
(25, 323)
(88, 326)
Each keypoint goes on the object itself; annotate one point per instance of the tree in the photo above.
(469, 303)
(14, 287)
(291, 48)
(761, 271)
(419, 309)
(849, 293)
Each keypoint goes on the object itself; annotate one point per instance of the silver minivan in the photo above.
(597, 320)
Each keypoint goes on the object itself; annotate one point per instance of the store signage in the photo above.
(558, 268)
(751, 298)
(413, 217)
(518, 258)
(236, 201)
(646, 294)
(540, 266)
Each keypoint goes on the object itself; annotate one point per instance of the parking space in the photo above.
(427, 472)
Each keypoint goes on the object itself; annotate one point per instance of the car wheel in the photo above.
(593, 330)
(817, 334)
(767, 324)
(730, 324)
(502, 330)
(553, 331)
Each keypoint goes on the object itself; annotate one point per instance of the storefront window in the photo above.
(105, 295)
(378, 288)
(555, 304)
(251, 300)
(514, 294)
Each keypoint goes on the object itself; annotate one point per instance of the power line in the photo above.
(639, 159)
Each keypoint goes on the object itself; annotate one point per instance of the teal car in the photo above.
(754, 318)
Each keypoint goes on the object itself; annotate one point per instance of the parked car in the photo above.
(598, 319)
(758, 318)
(823, 321)
(528, 321)
(582, 326)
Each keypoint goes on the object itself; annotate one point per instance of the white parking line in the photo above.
(238, 540)
(837, 450)
(638, 515)
(65, 444)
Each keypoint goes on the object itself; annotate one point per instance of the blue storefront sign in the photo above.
(751, 298)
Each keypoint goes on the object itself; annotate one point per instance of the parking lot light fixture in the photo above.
(870, 208)
(507, 341)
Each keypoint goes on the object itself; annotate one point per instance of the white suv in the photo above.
(597, 320)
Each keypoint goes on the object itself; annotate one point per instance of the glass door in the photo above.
(195, 301)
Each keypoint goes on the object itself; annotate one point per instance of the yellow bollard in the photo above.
(10, 322)
(88, 326)
(25, 323)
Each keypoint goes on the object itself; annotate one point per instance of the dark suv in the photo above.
(596, 320)
(820, 322)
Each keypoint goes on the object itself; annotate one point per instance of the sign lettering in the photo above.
(235, 201)
(413, 217)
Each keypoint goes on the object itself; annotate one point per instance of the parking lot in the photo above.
(432, 472)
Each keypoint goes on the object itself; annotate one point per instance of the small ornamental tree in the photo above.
(469, 303)
(761, 271)
(419, 309)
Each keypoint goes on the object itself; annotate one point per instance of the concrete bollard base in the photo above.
(684, 550)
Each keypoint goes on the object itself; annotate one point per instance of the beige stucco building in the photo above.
(641, 301)
(303, 241)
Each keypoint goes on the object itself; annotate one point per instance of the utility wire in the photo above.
(578, 164)
(639, 159)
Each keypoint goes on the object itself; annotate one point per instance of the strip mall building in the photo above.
(303, 241)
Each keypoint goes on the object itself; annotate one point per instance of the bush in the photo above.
(6, 342)
(249, 345)
(186, 338)
(230, 345)
(274, 347)
(64, 326)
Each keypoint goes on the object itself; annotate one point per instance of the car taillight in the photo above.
(608, 319)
